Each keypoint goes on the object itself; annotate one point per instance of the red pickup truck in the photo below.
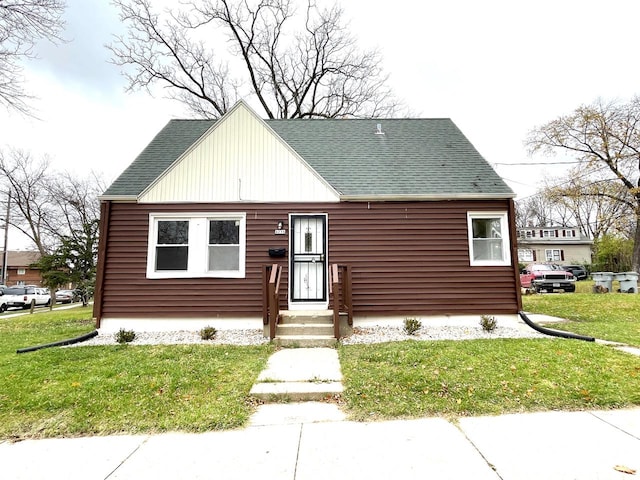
(541, 276)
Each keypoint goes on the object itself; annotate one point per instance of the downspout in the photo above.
(553, 333)
(514, 252)
(105, 217)
(70, 341)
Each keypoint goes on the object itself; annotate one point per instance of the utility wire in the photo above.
(536, 164)
(586, 174)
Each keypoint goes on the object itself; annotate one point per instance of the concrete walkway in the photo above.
(300, 374)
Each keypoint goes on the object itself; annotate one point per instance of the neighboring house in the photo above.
(425, 223)
(561, 245)
(19, 268)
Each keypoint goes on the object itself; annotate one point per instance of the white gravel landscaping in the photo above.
(371, 334)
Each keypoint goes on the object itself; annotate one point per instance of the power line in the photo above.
(535, 164)
(586, 174)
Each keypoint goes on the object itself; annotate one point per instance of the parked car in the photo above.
(3, 299)
(25, 296)
(540, 276)
(66, 296)
(579, 272)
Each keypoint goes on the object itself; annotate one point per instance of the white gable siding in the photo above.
(240, 159)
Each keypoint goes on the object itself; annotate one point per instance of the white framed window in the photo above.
(194, 245)
(553, 255)
(525, 255)
(22, 271)
(488, 238)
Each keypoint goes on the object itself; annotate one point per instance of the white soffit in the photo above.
(240, 159)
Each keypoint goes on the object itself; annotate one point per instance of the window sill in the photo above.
(173, 274)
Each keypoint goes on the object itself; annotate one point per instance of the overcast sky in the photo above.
(498, 68)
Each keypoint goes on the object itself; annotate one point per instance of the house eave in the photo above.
(118, 198)
(426, 197)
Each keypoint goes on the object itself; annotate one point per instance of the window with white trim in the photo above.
(525, 255)
(553, 255)
(488, 238)
(194, 245)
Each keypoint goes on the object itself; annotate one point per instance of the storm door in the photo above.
(307, 247)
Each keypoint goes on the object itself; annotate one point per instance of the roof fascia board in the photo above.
(118, 198)
(210, 130)
(428, 197)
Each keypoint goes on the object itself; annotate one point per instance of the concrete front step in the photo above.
(304, 329)
(306, 341)
(296, 391)
(306, 317)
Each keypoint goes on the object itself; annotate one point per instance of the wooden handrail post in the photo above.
(273, 298)
(265, 294)
(273, 315)
(336, 300)
(348, 299)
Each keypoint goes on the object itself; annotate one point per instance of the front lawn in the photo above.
(479, 377)
(117, 389)
(606, 316)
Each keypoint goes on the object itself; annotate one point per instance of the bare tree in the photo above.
(22, 24)
(592, 204)
(74, 259)
(534, 212)
(60, 213)
(607, 135)
(314, 71)
(32, 211)
(76, 200)
(47, 206)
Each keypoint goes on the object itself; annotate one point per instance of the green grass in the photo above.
(477, 377)
(146, 389)
(606, 316)
(117, 389)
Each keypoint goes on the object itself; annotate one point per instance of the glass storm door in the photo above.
(308, 243)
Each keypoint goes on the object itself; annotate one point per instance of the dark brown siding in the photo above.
(408, 258)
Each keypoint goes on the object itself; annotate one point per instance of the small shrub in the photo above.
(125, 336)
(488, 323)
(411, 326)
(208, 333)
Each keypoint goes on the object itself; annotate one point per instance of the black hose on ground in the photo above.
(554, 333)
(69, 341)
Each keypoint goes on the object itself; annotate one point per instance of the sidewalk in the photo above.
(547, 445)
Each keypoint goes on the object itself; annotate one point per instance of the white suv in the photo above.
(25, 296)
(3, 299)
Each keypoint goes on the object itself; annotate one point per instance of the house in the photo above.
(424, 222)
(556, 244)
(20, 269)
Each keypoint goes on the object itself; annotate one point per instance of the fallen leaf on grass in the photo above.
(623, 469)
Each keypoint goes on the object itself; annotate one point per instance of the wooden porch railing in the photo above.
(340, 298)
(271, 275)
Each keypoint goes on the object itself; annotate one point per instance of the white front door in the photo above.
(307, 247)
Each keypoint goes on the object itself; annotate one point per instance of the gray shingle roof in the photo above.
(414, 157)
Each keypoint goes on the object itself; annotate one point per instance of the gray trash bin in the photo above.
(603, 281)
(628, 282)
